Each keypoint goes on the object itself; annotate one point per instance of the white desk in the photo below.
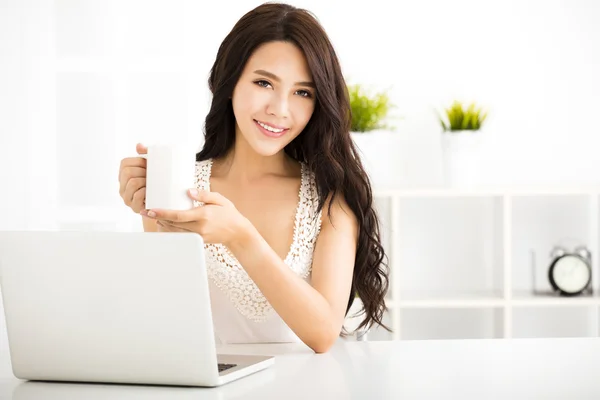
(532, 369)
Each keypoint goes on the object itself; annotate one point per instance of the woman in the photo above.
(282, 201)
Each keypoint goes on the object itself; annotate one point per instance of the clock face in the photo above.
(571, 274)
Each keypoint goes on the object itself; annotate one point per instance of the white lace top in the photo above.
(241, 313)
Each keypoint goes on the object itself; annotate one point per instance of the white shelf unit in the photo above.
(460, 262)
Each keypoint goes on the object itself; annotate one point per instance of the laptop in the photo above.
(112, 307)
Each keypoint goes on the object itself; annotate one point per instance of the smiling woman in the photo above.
(282, 200)
(269, 102)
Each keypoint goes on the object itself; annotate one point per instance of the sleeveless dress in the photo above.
(241, 314)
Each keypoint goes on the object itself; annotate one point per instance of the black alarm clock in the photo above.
(570, 272)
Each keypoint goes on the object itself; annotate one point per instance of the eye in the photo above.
(305, 93)
(262, 83)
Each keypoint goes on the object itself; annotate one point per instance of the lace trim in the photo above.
(230, 277)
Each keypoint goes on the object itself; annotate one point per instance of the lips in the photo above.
(268, 133)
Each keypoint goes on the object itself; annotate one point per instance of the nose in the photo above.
(278, 106)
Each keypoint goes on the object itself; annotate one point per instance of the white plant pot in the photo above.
(461, 157)
(380, 152)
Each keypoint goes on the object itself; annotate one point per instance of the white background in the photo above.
(82, 81)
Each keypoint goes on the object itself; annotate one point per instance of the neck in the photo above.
(243, 164)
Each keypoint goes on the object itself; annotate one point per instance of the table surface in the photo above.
(552, 368)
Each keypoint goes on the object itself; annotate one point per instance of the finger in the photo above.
(173, 215)
(167, 226)
(160, 227)
(186, 226)
(133, 185)
(133, 162)
(133, 172)
(206, 197)
(138, 202)
(141, 149)
(129, 173)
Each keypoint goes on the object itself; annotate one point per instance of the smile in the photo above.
(270, 130)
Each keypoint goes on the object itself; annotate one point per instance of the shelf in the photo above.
(434, 192)
(554, 322)
(528, 299)
(487, 300)
(488, 191)
(539, 223)
(450, 246)
(421, 299)
(432, 324)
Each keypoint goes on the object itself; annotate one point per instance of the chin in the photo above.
(267, 151)
(268, 147)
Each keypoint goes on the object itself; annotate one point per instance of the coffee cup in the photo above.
(170, 171)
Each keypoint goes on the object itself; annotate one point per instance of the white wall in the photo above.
(532, 63)
(82, 81)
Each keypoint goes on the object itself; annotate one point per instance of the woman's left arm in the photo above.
(316, 311)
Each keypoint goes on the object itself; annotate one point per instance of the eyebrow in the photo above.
(278, 79)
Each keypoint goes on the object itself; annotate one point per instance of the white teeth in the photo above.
(267, 127)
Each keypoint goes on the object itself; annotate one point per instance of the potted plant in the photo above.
(368, 111)
(371, 133)
(461, 142)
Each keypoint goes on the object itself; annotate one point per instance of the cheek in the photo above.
(239, 108)
(303, 110)
(245, 101)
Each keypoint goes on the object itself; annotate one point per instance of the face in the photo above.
(274, 97)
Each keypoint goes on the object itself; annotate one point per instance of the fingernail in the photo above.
(194, 192)
(143, 212)
(151, 214)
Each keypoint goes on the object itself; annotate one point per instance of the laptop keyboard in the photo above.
(223, 367)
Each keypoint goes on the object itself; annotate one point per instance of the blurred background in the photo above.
(470, 215)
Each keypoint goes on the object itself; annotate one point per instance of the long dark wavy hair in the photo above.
(325, 144)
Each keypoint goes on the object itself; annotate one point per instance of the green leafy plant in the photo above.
(368, 111)
(459, 118)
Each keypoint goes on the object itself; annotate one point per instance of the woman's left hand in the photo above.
(217, 221)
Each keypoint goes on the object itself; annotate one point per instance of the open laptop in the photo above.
(112, 307)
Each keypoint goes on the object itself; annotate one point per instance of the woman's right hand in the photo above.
(132, 180)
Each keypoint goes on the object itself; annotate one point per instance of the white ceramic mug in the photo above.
(170, 171)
